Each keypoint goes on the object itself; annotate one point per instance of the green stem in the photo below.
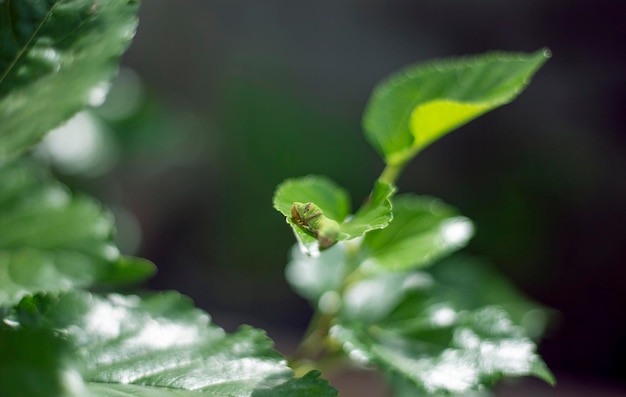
(391, 173)
(313, 348)
(312, 344)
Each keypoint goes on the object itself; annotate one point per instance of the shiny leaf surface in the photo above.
(473, 282)
(319, 278)
(51, 240)
(310, 385)
(413, 326)
(443, 350)
(424, 230)
(162, 346)
(418, 105)
(56, 56)
(405, 388)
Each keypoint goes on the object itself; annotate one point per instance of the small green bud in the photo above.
(312, 219)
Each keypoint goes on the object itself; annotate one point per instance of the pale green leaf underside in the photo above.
(424, 230)
(313, 276)
(418, 105)
(51, 240)
(163, 346)
(56, 56)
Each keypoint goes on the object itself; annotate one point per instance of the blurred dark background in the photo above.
(221, 100)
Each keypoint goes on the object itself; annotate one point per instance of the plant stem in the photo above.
(391, 173)
(312, 344)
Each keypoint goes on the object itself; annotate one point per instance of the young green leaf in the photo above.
(56, 56)
(162, 346)
(329, 200)
(51, 240)
(310, 218)
(332, 199)
(424, 230)
(317, 209)
(375, 214)
(418, 105)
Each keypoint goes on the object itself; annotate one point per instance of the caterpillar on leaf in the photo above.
(312, 219)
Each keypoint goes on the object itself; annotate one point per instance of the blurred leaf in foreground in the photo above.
(162, 346)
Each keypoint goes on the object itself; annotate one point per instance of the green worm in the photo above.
(312, 219)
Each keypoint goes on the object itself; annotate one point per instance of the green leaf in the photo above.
(56, 56)
(424, 230)
(473, 283)
(308, 386)
(372, 299)
(418, 105)
(334, 203)
(445, 351)
(51, 240)
(375, 214)
(464, 282)
(35, 363)
(163, 346)
(332, 200)
(442, 340)
(404, 388)
(319, 278)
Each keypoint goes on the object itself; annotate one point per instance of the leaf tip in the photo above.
(546, 52)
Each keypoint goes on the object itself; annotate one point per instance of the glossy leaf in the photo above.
(404, 388)
(424, 230)
(163, 346)
(443, 350)
(473, 282)
(372, 299)
(51, 240)
(310, 385)
(56, 56)
(413, 326)
(418, 105)
(464, 282)
(319, 278)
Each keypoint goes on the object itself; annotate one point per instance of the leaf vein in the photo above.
(28, 44)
